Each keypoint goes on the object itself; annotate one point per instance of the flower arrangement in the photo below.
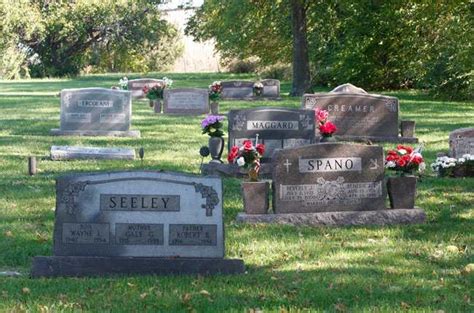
(215, 90)
(445, 166)
(326, 128)
(248, 157)
(123, 83)
(258, 88)
(156, 92)
(212, 125)
(405, 160)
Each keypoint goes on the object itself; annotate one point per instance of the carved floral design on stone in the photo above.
(211, 196)
(305, 121)
(311, 102)
(67, 99)
(331, 189)
(239, 122)
(391, 105)
(69, 194)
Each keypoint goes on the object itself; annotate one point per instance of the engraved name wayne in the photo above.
(272, 125)
(330, 165)
(112, 202)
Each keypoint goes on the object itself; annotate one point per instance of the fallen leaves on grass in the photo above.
(25, 290)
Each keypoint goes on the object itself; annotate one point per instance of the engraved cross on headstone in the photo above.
(287, 164)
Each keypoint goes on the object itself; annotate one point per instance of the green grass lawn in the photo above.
(381, 269)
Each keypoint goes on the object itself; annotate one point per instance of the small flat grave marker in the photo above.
(94, 153)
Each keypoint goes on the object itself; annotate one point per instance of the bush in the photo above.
(277, 71)
(242, 66)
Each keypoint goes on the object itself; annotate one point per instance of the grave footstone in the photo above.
(95, 112)
(461, 141)
(135, 86)
(137, 223)
(276, 128)
(59, 153)
(271, 88)
(331, 184)
(186, 101)
(359, 115)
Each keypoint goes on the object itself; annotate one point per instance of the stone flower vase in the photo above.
(156, 105)
(327, 139)
(214, 108)
(216, 147)
(255, 196)
(401, 192)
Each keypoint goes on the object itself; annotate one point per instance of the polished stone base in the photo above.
(233, 170)
(255, 99)
(60, 153)
(95, 133)
(398, 139)
(81, 266)
(348, 218)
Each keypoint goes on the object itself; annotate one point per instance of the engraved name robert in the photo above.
(121, 202)
(330, 165)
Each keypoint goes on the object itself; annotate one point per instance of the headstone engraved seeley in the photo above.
(95, 112)
(359, 115)
(186, 101)
(277, 128)
(141, 216)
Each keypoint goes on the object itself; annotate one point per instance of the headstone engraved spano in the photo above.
(461, 142)
(276, 128)
(357, 113)
(135, 86)
(95, 111)
(328, 177)
(139, 214)
(186, 101)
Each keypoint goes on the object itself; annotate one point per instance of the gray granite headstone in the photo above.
(237, 89)
(328, 177)
(277, 127)
(461, 141)
(139, 214)
(271, 88)
(95, 111)
(135, 86)
(75, 152)
(186, 101)
(357, 113)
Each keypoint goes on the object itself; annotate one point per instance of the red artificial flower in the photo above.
(408, 149)
(321, 115)
(232, 154)
(145, 89)
(417, 159)
(248, 146)
(327, 128)
(260, 149)
(401, 162)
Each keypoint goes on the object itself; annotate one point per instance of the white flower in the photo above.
(390, 164)
(241, 161)
(402, 151)
(461, 160)
(168, 82)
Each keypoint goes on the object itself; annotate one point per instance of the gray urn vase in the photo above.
(156, 105)
(214, 108)
(401, 192)
(327, 139)
(407, 128)
(255, 195)
(216, 147)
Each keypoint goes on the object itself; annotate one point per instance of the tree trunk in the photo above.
(301, 75)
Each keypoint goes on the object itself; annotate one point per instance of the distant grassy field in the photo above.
(420, 268)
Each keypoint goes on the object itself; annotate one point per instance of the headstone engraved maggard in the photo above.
(271, 88)
(95, 112)
(237, 89)
(358, 114)
(135, 86)
(461, 142)
(186, 101)
(277, 128)
(328, 177)
(137, 222)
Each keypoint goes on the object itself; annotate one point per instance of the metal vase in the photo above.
(401, 192)
(216, 147)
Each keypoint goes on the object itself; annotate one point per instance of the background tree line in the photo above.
(45, 38)
(374, 44)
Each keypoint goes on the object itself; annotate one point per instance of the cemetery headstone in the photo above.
(277, 128)
(137, 223)
(359, 115)
(95, 153)
(461, 141)
(135, 86)
(186, 101)
(237, 89)
(271, 88)
(95, 112)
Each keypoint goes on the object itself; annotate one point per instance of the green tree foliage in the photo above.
(371, 43)
(57, 38)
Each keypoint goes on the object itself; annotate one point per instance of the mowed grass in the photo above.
(420, 268)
